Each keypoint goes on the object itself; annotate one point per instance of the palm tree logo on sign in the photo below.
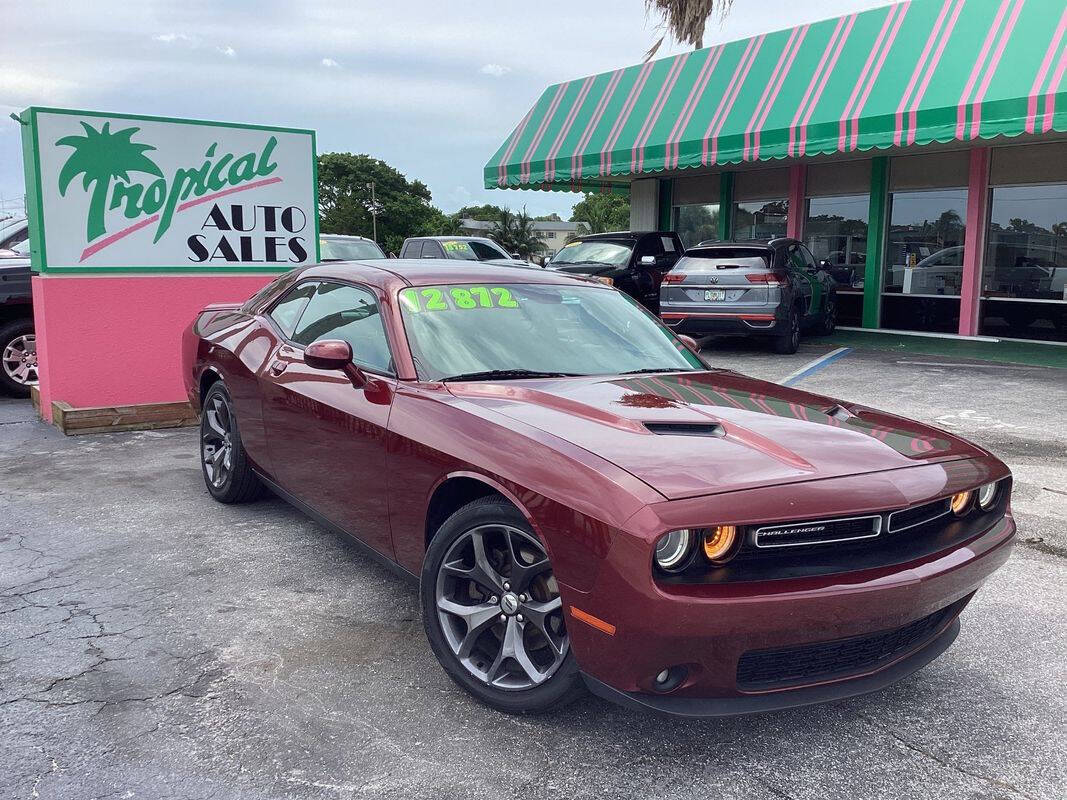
(101, 156)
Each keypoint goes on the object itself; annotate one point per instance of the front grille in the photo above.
(818, 532)
(771, 669)
(918, 515)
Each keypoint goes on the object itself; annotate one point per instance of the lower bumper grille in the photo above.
(771, 669)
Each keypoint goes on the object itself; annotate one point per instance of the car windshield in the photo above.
(349, 249)
(467, 329)
(471, 251)
(612, 253)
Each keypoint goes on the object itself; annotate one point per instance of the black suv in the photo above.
(632, 261)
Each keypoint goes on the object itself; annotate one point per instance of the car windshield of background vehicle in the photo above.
(611, 253)
(472, 251)
(836, 232)
(348, 250)
(572, 330)
(1024, 279)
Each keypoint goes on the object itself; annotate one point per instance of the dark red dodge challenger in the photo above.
(583, 500)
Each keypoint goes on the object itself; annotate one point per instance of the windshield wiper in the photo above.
(507, 374)
(655, 369)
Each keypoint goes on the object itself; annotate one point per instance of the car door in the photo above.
(327, 437)
(432, 249)
(648, 277)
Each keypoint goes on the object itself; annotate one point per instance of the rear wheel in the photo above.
(18, 357)
(829, 317)
(492, 611)
(227, 473)
(788, 341)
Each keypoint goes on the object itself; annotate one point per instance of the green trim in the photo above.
(1032, 353)
(665, 191)
(315, 189)
(181, 120)
(32, 172)
(877, 228)
(55, 271)
(726, 206)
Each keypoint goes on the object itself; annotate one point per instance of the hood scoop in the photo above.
(686, 429)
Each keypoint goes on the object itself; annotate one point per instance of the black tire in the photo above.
(563, 684)
(788, 342)
(236, 482)
(828, 322)
(14, 336)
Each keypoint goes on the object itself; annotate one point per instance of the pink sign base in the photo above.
(107, 341)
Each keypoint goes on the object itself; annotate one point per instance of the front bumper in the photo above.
(707, 628)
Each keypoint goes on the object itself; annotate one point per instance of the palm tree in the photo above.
(450, 225)
(100, 156)
(503, 228)
(684, 20)
(524, 236)
(948, 227)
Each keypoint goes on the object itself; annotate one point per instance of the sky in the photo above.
(432, 88)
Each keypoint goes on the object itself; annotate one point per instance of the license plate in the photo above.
(714, 294)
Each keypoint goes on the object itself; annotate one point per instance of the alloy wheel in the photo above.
(20, 360)
(499, 607)
(216, 441)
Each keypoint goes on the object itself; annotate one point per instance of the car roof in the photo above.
(344, 236)
(396, 273)
(451, 239)
(621, 235)
(776, 241)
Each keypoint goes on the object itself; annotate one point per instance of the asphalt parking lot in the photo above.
(155, 644)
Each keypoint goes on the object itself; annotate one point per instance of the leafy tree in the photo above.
(948, 227)
(99, 156)
(524, 237)
(483, 213)
(684, 20)
(344, 200)
(553, 217)
(603, 212)
(1060, 228)
(449, 225)
(1019, 225)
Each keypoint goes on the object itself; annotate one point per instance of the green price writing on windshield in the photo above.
(458, 298)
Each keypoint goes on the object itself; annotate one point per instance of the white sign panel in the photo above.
(114, 192)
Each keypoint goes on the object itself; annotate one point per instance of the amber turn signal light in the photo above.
(718, 542)
(961, 503)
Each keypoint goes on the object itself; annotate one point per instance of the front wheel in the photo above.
(492, 611)
(227, 473)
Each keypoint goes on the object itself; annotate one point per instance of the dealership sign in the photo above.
(126, 193)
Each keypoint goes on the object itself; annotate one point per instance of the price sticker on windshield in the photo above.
(456, 298)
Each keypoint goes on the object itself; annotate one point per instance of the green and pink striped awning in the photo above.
(911, 73)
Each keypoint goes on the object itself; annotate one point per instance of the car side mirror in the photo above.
(517, 256)
(334, 354)
(824, 264)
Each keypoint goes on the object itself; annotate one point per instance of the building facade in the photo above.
(918, 149)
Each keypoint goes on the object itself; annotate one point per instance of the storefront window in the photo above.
(760, 219)
(924, 260)
(697, 223)
(836, 233)
(1024, 277)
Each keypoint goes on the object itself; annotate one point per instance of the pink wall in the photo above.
(798, 179)
(974, 240)
(105, 341)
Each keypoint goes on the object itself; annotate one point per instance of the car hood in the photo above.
(508, 262)
(696, 433)
(588, 269)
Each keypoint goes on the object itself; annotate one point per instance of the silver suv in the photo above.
(770, 288)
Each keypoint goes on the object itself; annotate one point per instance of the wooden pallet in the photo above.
(121, 418)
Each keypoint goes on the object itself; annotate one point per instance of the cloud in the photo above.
(329, 63)
(227, 51)
(496, 70)
(168, 38)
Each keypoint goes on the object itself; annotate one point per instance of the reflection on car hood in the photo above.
(726, 431)
(508, 262)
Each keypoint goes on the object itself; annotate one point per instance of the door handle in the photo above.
(277, 368)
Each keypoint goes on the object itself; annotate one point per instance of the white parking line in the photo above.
(950, 364)
(814, 366)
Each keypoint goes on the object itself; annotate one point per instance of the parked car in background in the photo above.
(18, 344)
(334, 247)
(583, 501)
(632, 261)
(460, 248)
(770, 288)
(13, 231)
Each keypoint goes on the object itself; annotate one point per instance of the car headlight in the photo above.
(719, 542)
(987, 496)
(961, 503)
(605, 281)
(672, 549)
